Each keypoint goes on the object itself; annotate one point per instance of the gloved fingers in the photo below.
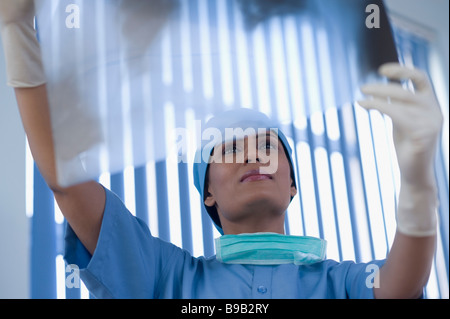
(381, 105)
(395, 71)
(389, 91)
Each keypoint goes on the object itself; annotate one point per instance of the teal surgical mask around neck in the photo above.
(269, 249)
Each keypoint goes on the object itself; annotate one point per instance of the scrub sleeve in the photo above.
(127, 261)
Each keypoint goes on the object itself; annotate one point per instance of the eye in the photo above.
(268, 145)
(231, 148)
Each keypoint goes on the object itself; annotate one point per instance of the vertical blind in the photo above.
(344, 163)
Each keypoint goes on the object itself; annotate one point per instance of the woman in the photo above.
(119, 258)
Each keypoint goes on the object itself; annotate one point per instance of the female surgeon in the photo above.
(244, 195)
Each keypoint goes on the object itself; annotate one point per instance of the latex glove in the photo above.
(417, 122)
(22, 51)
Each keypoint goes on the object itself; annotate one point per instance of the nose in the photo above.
(251, 156)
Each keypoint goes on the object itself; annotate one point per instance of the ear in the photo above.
(209, 201)
(293, 189)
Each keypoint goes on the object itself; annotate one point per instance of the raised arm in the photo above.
(82, 204)
(417, 123)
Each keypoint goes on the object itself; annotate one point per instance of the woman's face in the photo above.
(250, 184)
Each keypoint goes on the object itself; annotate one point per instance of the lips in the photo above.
(254, 175)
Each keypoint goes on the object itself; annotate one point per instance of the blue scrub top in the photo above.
(130, 263)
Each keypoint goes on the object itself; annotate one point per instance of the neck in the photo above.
(254, 225)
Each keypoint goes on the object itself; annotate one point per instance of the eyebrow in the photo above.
(268, 134)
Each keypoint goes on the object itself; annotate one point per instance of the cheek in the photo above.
(219, 178)
(284, 174)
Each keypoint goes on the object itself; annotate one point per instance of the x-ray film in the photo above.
(128, 79)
